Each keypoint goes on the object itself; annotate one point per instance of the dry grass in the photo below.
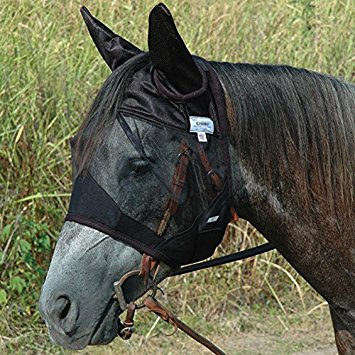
(50, 71)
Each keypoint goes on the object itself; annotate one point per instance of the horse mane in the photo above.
(294, 120)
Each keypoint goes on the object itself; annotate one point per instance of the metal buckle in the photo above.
(214, 173)
(119, 295)
(127, 329)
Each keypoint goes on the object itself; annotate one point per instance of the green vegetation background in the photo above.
(49, 74)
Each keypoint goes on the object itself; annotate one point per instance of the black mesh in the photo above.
(128, 185)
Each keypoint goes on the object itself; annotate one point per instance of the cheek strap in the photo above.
(177, 186)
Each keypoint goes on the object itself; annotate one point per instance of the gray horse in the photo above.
(290, 141)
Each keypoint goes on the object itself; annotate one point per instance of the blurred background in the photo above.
(50, 72)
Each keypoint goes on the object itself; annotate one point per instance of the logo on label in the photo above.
(201, 124)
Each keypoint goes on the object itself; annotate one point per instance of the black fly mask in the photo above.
(160, 180)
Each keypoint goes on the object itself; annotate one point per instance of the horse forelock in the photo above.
(294, 124)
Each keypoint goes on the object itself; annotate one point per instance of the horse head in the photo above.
(150, 175)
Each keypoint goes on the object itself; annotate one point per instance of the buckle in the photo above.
(126, 332)
(215, 178)
(119, 295)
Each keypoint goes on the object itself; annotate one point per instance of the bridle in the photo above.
(150, 266)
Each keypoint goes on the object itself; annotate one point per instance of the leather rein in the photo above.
(150, 267)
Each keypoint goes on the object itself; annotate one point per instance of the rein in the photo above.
(260, 249)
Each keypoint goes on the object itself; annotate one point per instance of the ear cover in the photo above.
(169, 52)
(114, 49)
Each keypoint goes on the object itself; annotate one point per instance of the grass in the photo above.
(49, 74)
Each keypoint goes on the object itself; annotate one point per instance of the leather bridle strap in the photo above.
(215, 177)
(178, 182)
(128, 325)
(240, 255)
(154, 306)
(148, 264)
(177, 186)
(212, 174)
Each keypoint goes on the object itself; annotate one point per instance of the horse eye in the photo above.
(139, 167)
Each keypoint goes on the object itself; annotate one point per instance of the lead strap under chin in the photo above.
(148, 264)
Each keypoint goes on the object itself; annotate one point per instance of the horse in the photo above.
(171, 144)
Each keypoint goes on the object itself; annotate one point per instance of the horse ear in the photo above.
(169, 53)
(113, 48)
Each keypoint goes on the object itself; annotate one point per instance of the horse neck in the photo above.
(312, 242)
(269, 211)
(291, 142)
(310, 237)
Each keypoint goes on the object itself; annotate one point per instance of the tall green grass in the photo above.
(49, 74)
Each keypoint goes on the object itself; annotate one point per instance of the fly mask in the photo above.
(180, 166)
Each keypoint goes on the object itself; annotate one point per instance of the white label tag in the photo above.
(201, 124)
(201, 136)
(213, 219)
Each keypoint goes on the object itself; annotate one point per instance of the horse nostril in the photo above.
(65, 314)
(65, 307)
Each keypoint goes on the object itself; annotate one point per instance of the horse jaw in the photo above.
(76, 299)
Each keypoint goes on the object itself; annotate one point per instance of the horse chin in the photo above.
(107, 328)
